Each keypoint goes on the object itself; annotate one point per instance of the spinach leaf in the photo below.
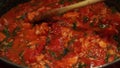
(117, 39)
(52, 54)
(81, 65)
(85, 19)
(74, 26)
(70, 42)
(47, 66)
(10, 44)
(69, 0)
(5, 45)
(65, 52)
(22, 17)
(15, 31)
(6, 32)
(116, 57)
(47, 40)
(113, 10)
(107, 57)
(102, 26)
(61, 1)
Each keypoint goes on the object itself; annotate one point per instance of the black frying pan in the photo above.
(6, 5)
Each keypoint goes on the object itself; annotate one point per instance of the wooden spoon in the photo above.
(38, 16)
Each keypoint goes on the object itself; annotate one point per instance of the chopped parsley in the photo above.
(47, 66)
(81, 65)
(15, 31)
(74, 26)
(47, 40)
(22, 17)
(107, 57)
(10, 44)
(65, 51)
(85, 19)
(102, 26)
(52, 54)
(6, 32)
(61, 1)
(113, 10)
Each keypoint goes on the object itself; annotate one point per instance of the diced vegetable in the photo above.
(103, 44)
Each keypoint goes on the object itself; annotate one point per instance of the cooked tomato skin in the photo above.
(29, 55)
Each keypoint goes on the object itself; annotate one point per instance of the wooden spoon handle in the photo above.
(77, 5)
(48, 14)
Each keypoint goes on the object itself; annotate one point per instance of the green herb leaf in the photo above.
(85, 19)
(21, 54)
(113, 10)
(21, 57)
(107, 57)
(15, 31)
(65, 51)
(74, 26)
(61, 1)
(22, 17)
(71, 41)
(91, 24)
(10, 44)
(6, 32)
(47, 40)
(116, 57)
(80, 65)
(6, 44)
(47, 66)
(102, 26)
(52, 53)
(116, 38)
(69, 0)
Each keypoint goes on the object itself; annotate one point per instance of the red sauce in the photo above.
(84, 37)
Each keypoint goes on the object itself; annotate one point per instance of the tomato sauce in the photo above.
(81, 38)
